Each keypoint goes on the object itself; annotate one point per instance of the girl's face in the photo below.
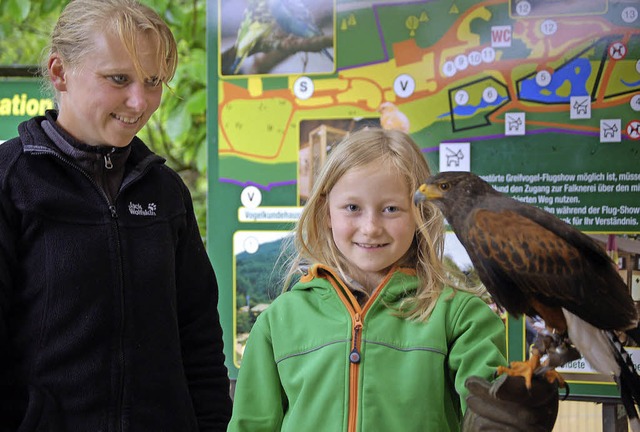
(102, 101)
(371, 220)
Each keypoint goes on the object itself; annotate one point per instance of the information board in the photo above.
(539, 97)
(20, 99)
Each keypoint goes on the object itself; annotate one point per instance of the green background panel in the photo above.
(365, 59)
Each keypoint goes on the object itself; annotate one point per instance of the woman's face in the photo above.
(102, 100)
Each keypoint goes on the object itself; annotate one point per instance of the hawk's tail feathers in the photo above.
(628, 381)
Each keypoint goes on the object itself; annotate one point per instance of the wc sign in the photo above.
(500, 36)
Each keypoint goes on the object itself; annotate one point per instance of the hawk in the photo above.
(533, 263)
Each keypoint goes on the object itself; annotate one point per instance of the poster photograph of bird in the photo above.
(276, 36)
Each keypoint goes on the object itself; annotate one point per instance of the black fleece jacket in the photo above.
(108, 305)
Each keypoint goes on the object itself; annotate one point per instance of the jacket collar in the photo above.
(36, 141)
(399, 282)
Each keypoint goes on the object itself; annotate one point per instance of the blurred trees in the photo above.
(177, 131)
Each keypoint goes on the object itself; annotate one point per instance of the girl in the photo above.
(108, 301)
(370, 338)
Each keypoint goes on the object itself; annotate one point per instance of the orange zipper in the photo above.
(354, 366)
(357, 317)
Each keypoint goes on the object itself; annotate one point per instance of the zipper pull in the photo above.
(354, 355)
(107, 159)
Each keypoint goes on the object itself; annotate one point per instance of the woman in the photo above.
(108, 301)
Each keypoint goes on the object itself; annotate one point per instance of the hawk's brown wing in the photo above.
(519, 258)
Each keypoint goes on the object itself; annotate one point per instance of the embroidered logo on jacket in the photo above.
(138, 210)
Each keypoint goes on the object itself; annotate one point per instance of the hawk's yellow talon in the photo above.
(524, 369)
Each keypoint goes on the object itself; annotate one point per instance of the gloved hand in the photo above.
(507, 405)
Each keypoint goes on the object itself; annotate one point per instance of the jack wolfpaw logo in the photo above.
(137, 209)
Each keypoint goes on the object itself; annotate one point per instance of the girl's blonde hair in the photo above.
(312, 239)
(73, 36)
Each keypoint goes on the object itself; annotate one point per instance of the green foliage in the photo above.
(258, 275)
(177, 131)
(258, 281)
(24, 29)
(244, 321)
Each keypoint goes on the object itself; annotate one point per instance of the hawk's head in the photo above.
(453, 191)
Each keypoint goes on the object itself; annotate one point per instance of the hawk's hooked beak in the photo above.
(419, 196)
(426, 192)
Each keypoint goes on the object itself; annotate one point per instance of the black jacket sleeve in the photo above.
(200, 329)
(23, 408)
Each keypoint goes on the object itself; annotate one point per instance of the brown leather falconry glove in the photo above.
(506, 405)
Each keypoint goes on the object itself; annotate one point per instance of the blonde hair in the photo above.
(312, 239)
(73, 35)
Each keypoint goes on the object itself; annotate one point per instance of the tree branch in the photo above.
(288, 47)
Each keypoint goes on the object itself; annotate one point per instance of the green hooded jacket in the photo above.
(317, 361)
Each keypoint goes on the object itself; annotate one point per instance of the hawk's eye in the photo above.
(444, 186)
